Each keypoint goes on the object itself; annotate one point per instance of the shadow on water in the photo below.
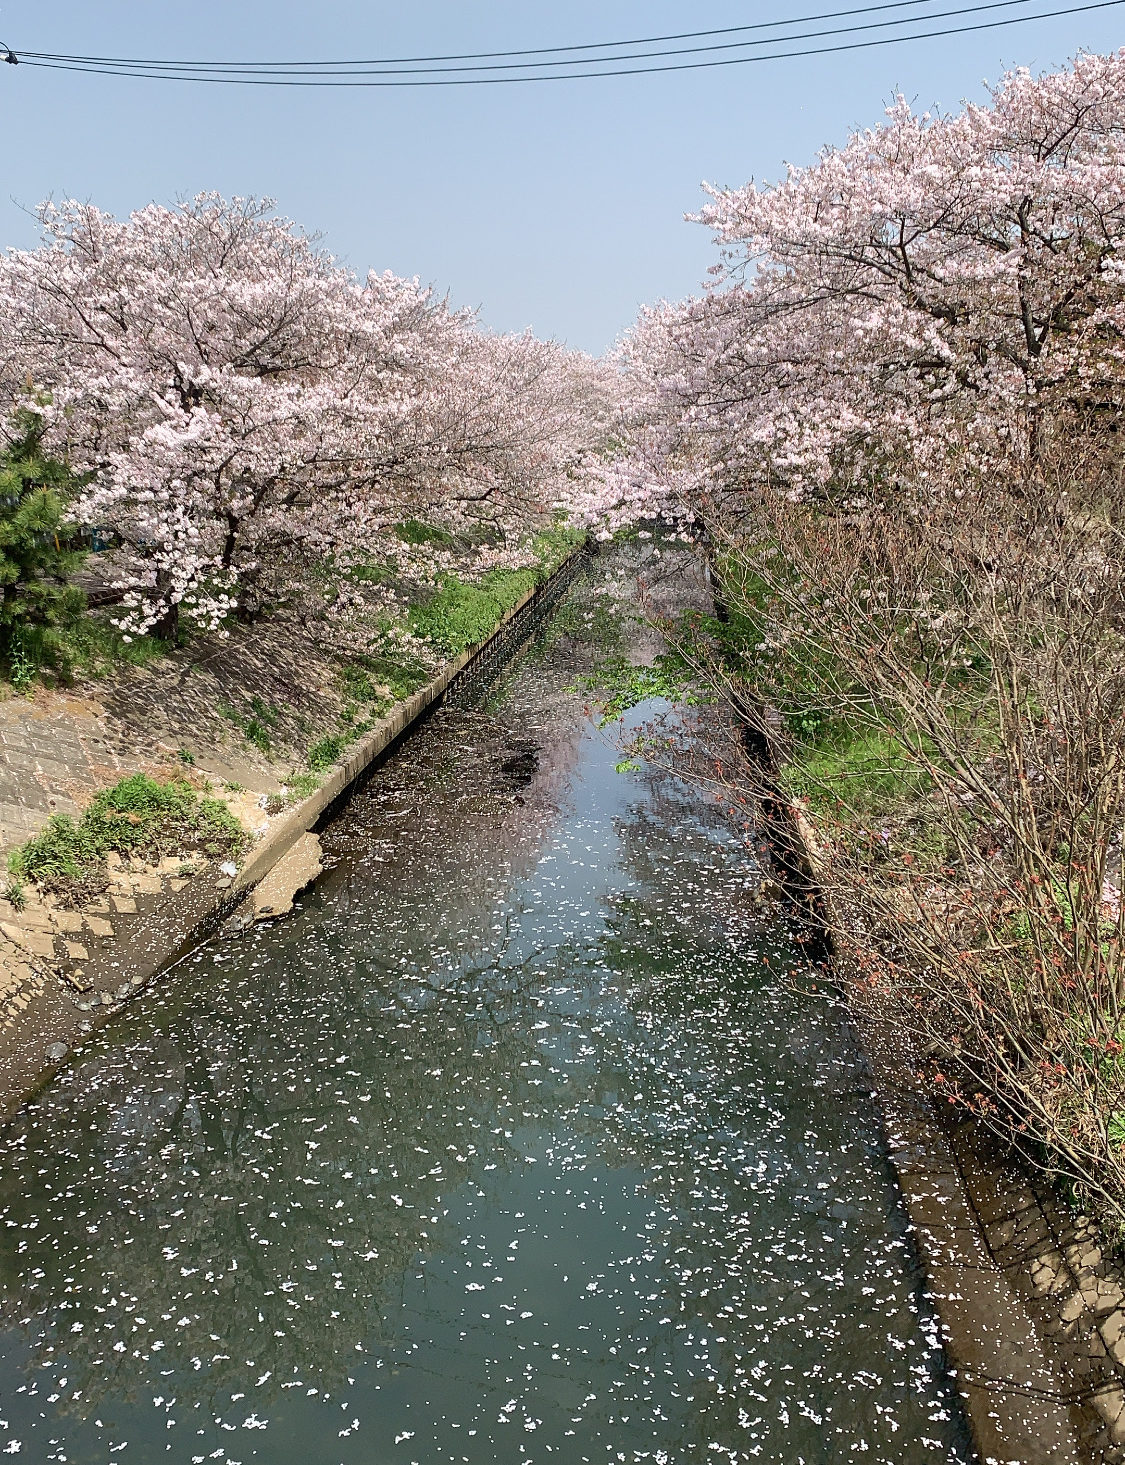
(518, 1141)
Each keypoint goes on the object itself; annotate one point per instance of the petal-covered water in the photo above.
(523, 1139)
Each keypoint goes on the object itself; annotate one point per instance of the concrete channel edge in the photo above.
(1033, 1315)
(56, 1020)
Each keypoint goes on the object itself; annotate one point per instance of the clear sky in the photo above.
(558, 207)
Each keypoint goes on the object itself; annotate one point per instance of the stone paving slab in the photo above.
(299, 866)
(1029, 1304)
(1011, 1427)
(57, 748)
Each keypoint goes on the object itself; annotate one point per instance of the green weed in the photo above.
(326, 752)
(461, 614)
(618, 685)
(414, 531)
(868, 771)
(256, 726)
(140, 816)
(302, 785)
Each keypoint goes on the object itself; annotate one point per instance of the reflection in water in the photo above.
(512, 1144)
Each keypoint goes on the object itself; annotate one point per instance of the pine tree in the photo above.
(38, 554)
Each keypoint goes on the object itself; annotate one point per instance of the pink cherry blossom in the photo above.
(244, 405)
(930, 290)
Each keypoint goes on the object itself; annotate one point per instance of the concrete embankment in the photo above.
(63, 970)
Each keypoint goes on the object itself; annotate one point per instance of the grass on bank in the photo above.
(257, 725)
(54, 639)
(462, 613)
(88, 647)
(456, 615)
(139, 817)
(836, 764)
(370, 687)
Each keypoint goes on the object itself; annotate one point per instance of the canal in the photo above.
(525, 1137)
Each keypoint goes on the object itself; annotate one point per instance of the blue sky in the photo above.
(557, 207)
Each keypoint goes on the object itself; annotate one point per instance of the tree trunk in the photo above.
(168, 625)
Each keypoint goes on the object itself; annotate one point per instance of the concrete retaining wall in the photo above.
(50, 1016)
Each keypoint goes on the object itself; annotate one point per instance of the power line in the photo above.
(483, 55)
(441, 78)
(201, 71)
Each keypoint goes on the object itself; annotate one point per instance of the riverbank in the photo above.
(66, 964)
(1031, 1300)
(1000, 1266)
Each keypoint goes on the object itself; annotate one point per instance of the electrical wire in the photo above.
(442, 78)
(200, 71)
(485, 55)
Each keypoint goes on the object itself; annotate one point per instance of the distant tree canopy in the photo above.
(246, 408)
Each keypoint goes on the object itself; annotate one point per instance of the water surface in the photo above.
(523, 1139)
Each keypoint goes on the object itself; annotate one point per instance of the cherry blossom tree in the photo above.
(246, 405)
(898, 410)
(937, 288)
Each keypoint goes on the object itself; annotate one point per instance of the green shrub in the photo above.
(457, 616)
(551, 546)
(140, 816)
(508, 587)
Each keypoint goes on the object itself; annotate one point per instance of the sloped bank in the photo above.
(49, 1013)
(1031, 1307)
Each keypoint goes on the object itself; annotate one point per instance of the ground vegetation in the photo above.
(140, 818)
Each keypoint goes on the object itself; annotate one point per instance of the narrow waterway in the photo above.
(524, 1138)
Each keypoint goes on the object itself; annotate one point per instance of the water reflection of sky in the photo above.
(512, 1144)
